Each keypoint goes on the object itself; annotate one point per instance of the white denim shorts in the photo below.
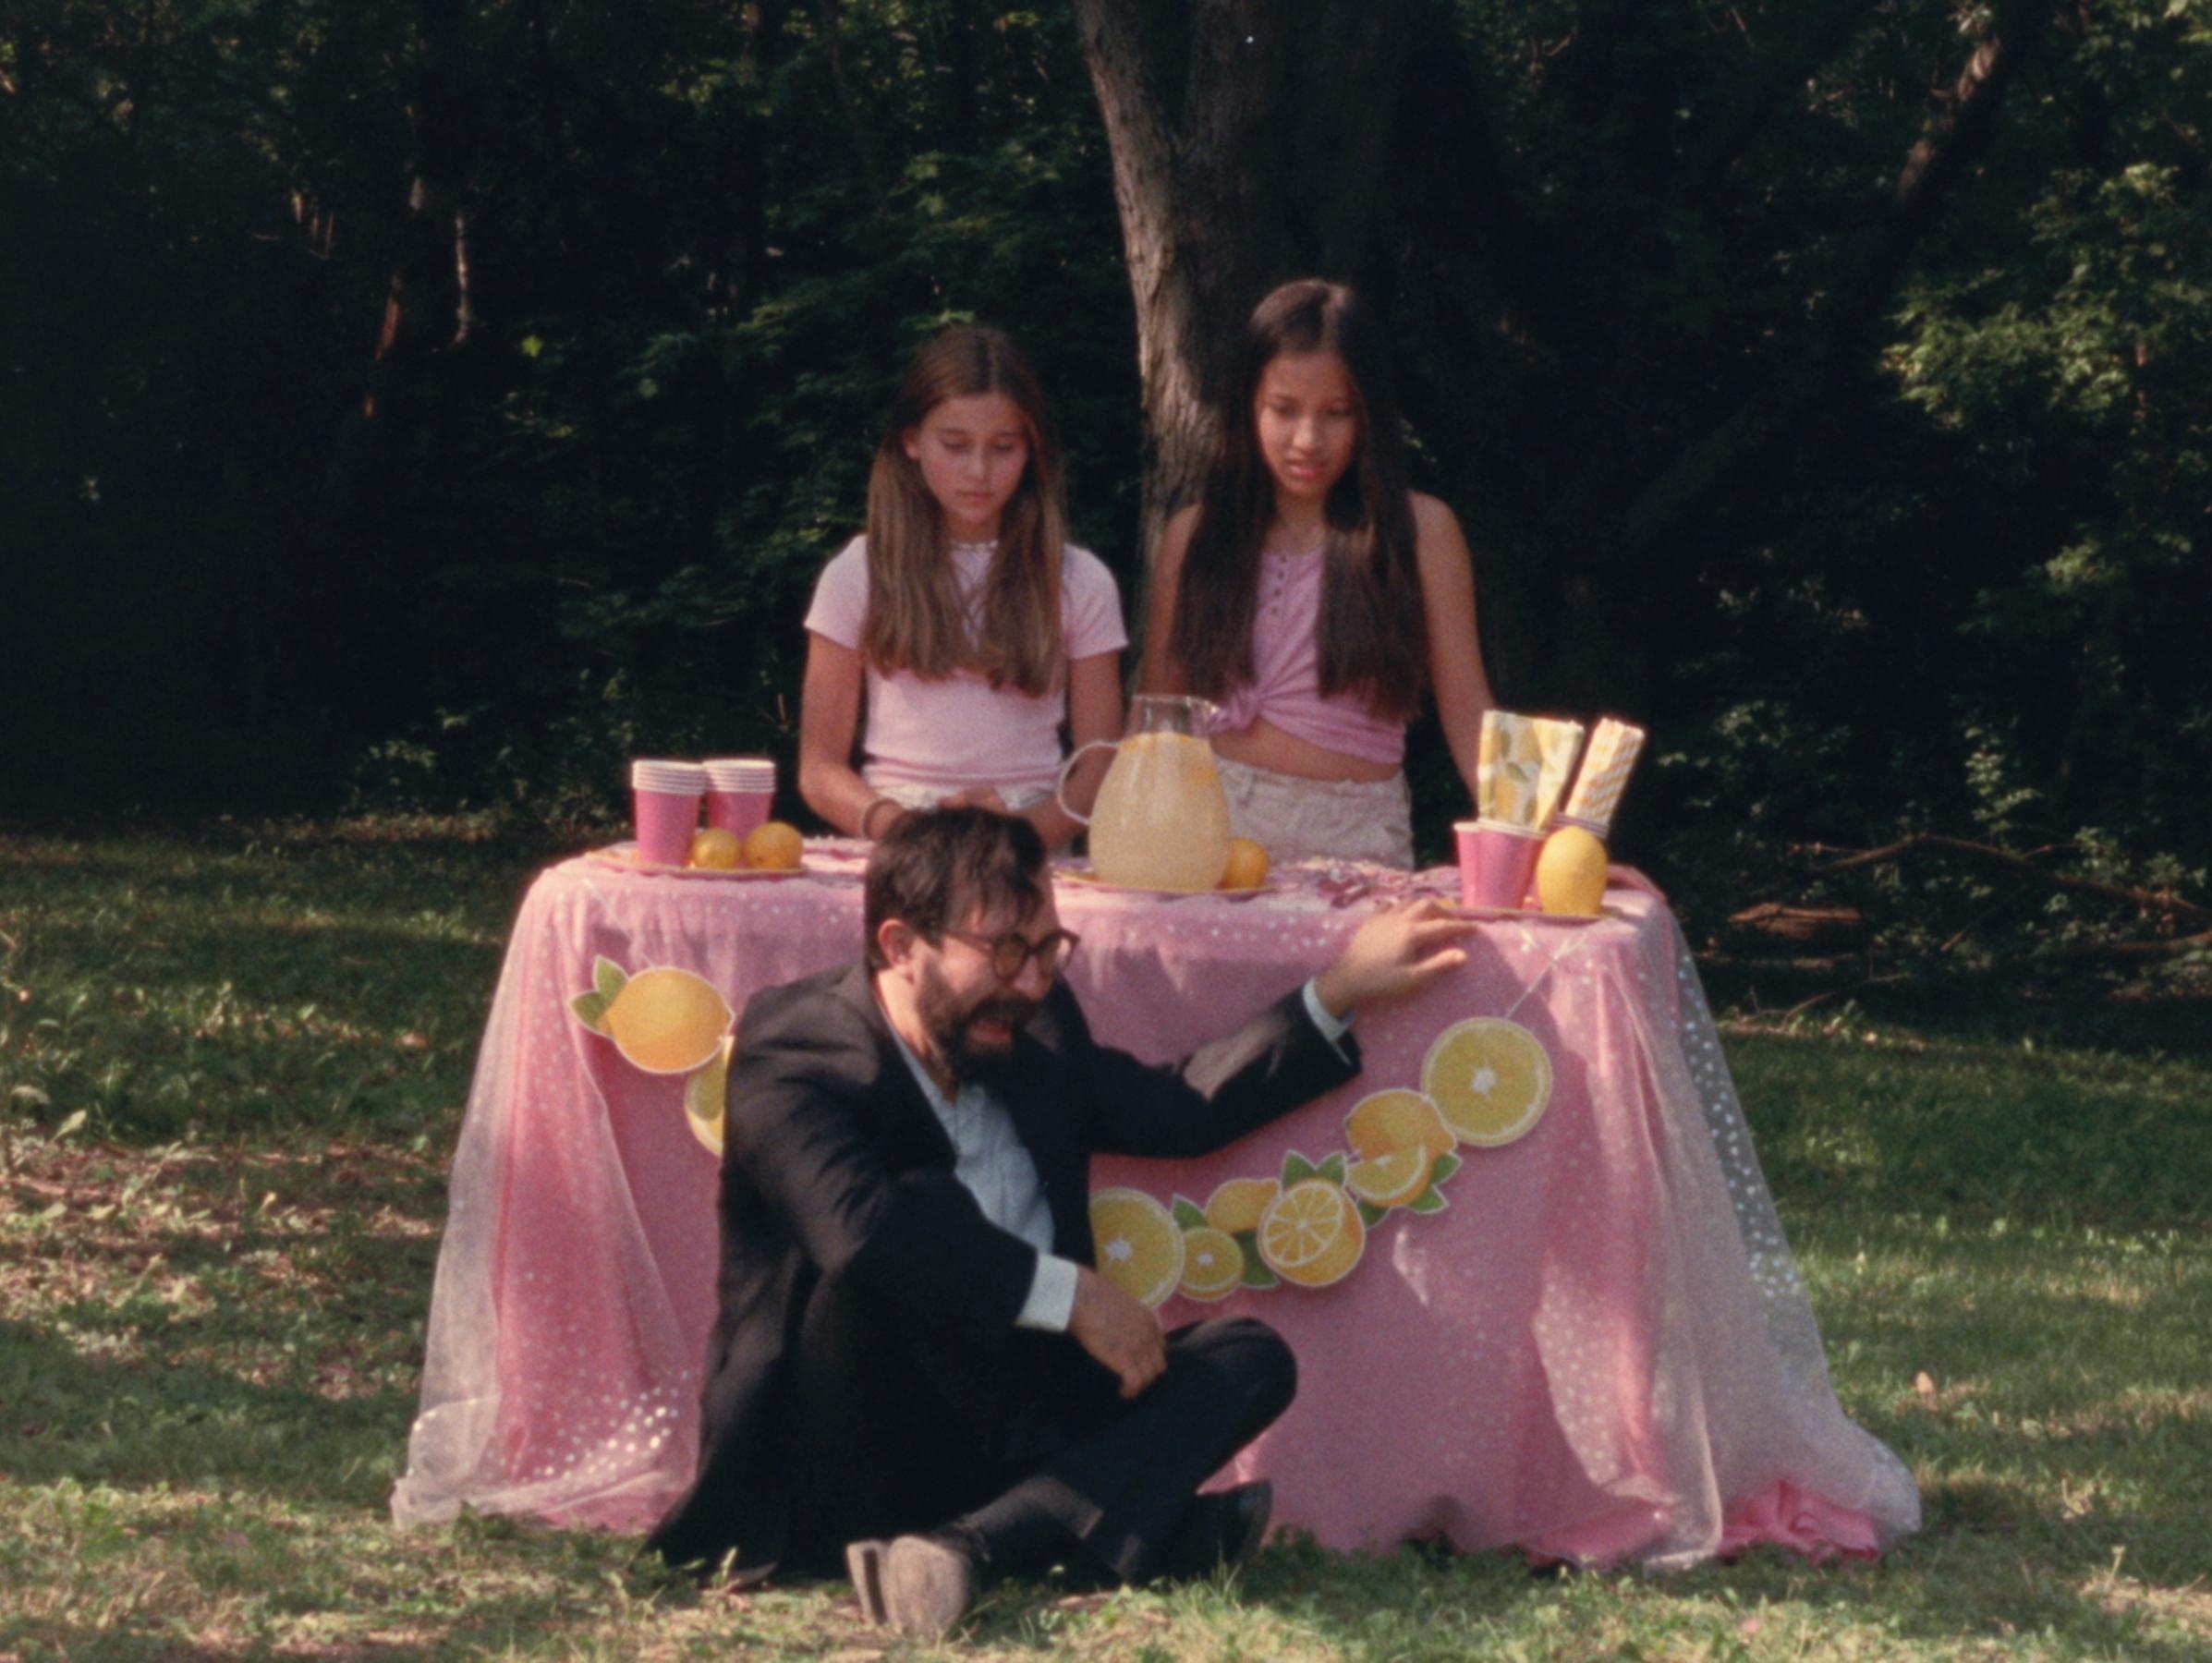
(1336, 819)
(1015, 797)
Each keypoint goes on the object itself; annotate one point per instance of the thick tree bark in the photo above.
(1246, 136)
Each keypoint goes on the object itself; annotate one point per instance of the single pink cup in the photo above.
(741, 793)
(1496, 862)
(664, 798)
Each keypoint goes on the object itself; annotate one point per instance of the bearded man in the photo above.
(917, 1372)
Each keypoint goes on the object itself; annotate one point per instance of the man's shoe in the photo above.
(919, 1585)
(1223, 1529)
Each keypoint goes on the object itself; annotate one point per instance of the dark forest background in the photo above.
(425, 405)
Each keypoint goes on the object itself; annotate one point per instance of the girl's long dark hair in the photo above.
(1372, 631)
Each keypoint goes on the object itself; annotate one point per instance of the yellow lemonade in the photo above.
(1162, 821)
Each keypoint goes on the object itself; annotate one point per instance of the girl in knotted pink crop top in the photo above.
(1313, 597)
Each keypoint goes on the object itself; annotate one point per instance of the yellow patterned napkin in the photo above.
(1522, 766)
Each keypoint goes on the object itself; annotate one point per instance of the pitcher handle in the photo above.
(1066, 768)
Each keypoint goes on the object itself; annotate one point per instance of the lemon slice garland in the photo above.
(1485, 1082)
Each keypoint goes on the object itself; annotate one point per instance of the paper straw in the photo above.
(1612, 754)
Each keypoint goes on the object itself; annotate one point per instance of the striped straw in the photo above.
(1596, 795)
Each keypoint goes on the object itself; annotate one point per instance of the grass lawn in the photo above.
(231, 1069)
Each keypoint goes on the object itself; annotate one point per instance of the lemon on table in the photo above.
(1392, 1178)
(1214, 1265)
(1311, 1235)
(666, 1020)
(1235, 1207)
(1383, 1122)
(717, 849)
(774, 846)
(1248, 868)
(1569, 874)
(1139, 1246)
(1490, 1077)
(707, 1096)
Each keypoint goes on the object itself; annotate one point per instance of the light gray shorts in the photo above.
(1337, 820)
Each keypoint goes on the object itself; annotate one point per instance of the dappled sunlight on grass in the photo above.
(212, 1287)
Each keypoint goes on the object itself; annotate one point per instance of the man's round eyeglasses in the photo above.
(1009, 952)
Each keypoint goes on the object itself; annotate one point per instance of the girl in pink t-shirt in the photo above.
(1314, 597)
(964, 619)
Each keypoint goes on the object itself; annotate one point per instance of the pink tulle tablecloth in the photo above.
(1599, 1350)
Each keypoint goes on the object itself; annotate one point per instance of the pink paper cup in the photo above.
(741, 793)
(665, 822)
(1496, 862)
(743, 812)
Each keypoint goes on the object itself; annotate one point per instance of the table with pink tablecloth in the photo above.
(1600, 1349)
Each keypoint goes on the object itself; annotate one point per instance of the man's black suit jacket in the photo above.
(834, 1163)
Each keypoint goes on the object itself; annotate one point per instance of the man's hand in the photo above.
(1117, 1331)
(1393, 952)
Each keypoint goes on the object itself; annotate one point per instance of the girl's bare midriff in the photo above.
(1263, 744)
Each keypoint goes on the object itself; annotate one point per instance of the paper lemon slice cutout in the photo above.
(662, 1020)
(1490, 1078)
(1394, 1178)
(1139, 1246)
(706, 1098)
(1311, 1235)
(1214, 1265)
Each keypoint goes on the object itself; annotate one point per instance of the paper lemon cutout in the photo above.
(1235, 1207)
(707, 1096)
(1387, 1121)
(1312, 1235)
(662, 1020)
(1490, 1078)
(1140, 1250)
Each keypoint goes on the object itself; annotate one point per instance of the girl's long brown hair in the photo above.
(1372, 631)
(915, 618)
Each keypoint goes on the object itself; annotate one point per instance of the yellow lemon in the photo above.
(1393, 1178)
(1490, 1078)
(718, 850)
(1570, 873)
(1248, 868)
(1140, 1251)
(774, 846)
(1310, 1234)
(666, 1020)
(1214, 1265)
(707, 1096)
(1386, 1121)
(1236, 1205)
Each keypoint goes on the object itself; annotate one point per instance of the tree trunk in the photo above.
(1246, 136)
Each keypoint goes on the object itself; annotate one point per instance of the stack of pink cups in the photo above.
(740, 792)
(665, 796)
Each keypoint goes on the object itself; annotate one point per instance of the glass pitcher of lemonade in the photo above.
(1161, 820)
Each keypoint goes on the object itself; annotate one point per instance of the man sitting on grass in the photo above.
(916, 1369)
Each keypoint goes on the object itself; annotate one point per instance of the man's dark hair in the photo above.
(933, 869)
